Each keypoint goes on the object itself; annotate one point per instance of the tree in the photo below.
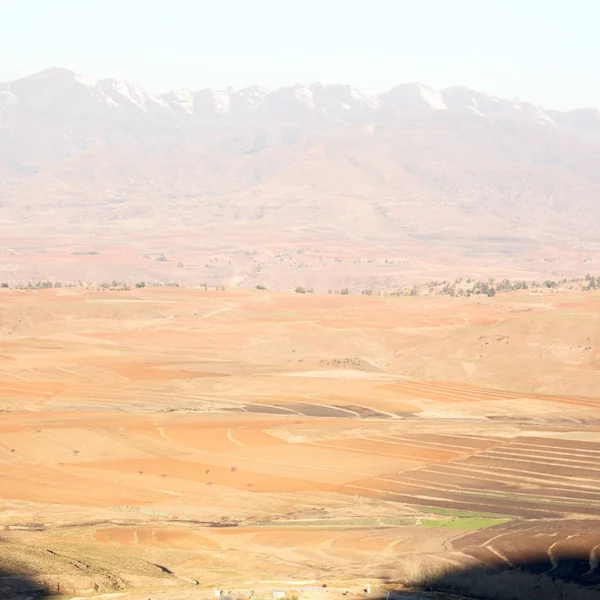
(491, 292)
(345, 292)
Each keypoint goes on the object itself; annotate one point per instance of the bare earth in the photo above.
(169, 439)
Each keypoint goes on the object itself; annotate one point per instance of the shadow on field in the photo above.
(572, 576)
(15, 586)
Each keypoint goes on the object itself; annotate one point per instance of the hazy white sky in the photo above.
(543, 51)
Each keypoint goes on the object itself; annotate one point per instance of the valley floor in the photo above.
(164, 442)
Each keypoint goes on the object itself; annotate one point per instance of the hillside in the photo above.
(163, 442)
(291, 186)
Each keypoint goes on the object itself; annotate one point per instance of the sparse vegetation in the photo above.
(350, 523)
(463, 514)
(463, 524)
(460, 287)
(368, 364)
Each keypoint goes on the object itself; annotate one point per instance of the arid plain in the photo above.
(176, 438)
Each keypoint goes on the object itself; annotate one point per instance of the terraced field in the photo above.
(524, 476)
(569, 549)
(165, 436)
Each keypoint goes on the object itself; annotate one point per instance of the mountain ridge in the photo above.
(430, 181)
(340, 99)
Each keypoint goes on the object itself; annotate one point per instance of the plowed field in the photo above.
(248, 436)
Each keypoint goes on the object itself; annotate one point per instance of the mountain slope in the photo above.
(417, 173)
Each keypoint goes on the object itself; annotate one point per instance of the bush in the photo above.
(300, 290)
(3, 285)
(260, 287)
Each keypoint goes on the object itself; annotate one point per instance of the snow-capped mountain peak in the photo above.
(64, 92)
(413, 97)
(126, 93)
(179, 99)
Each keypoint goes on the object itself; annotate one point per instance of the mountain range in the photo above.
(350, 188)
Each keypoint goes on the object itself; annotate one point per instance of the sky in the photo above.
(546, 52)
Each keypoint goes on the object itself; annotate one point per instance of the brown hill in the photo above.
(418, 183)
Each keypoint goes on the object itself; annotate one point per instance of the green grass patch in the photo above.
(463, 524)
(453, 512)
(359, 522)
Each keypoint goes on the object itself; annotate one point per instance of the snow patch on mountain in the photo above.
(8, 98)
(181, 100)
(432, 97)
(84, 81)
(413, 97)
(127, 93)
(249, 98)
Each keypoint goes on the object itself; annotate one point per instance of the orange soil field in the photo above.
(301, 436)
